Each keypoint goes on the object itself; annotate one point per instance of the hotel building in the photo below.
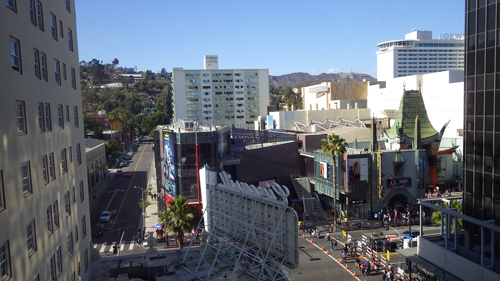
(44, 207)
(223, 97)
(418, 53)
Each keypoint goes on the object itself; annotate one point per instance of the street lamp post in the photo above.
(142, 196)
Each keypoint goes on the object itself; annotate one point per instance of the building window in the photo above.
(55, 211)
(61, 29)
(70, 39)
(57, 72)
(33, 12)
(78, 154)
(86, 261)
(64, 163)
(73, 78)
(39, 14)
(70, 154)
(68, 7)
(53, 26)
(64, 72)
(2, 193)
(52, 169)
(70, 245)
(15, 54)
(82, 191)
(67, 113)
(59, 261)
(84, 227)
(44, 169)
(43, 60)
(20, 118)
(26, 178)
(53, 275)
(67, 206)
(36, 63)
(75, 116)
(76, 233)
(48, 119)
(31, 237)
(11, 4)
(60, 117)
(50, 228)
(74, 194)
(5, 272)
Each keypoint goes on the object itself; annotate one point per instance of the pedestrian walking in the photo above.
(335, 245)
(343, 257)
(331, 246)
(310, 233)
(327, 236)
(307, 217)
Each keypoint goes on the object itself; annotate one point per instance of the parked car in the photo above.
(127, 174)
(414, 233)
(98, 230)
(119, 173)
(123, 163)
(105, 216)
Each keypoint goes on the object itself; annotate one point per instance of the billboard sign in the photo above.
(169, 162)
(357, 169)
(399, 183)
(323, 172)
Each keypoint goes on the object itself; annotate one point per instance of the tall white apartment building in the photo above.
(44, 209)
(224, 97)
(418, 53)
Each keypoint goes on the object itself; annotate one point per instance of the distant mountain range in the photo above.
(301, 79)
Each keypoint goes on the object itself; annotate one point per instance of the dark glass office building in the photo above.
(482, 110)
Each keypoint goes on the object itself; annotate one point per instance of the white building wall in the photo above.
(442, 93)
(18, 208)
(249, 98)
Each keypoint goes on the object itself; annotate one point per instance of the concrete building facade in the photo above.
(44, 207)
(418, 53)
(335, 95)
(222, 97)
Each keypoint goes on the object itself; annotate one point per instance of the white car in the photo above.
(105, 216)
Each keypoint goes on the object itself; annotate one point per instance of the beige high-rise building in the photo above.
(44, 209)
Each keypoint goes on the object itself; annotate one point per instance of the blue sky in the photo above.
(284, 36)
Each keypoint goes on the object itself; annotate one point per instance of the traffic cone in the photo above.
(346, 266)
(322, 249)
(326, 252)
(312, 241)
(354, 274)
(340, 261)
(362, 255)
(303, 236)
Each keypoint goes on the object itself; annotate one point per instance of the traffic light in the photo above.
(120, 232)
(115, 249)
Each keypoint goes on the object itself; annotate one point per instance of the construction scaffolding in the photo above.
(247, 232)
(328, 124)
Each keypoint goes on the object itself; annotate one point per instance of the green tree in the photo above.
(115, 62)
(334, 145)
(112, 145)
(436, 215)
(178, 218)
(146, 204)
(165, 101)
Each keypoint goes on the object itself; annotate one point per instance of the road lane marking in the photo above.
(131, 246)
(122, 247)
(102, 248)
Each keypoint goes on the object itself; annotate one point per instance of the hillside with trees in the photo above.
(105, 86)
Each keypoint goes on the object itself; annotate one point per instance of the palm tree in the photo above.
(436, 215)
(334, 145)
(178, 218)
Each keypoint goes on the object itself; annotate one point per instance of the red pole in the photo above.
(198, 172)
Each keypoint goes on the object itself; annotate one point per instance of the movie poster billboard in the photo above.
(357, 169)
(169, 162)
(323, 172)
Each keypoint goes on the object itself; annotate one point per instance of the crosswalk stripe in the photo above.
(122, 246)
(131, 245)
(102, 248)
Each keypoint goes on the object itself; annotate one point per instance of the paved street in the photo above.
(122, 200)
